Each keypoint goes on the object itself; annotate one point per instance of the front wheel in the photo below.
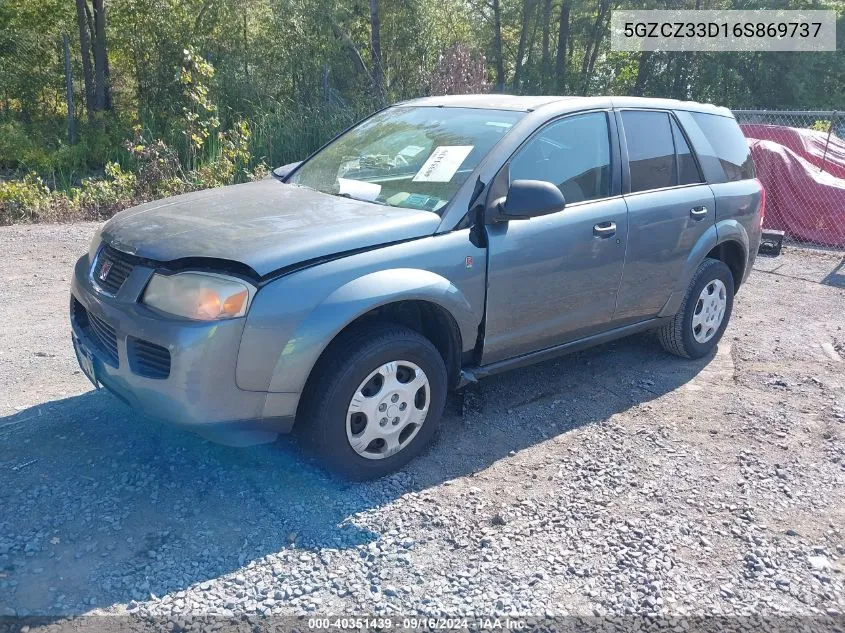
(704, 314)
(375, 400)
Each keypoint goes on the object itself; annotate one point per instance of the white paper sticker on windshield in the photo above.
(411, 150)
(358, 189)
(443, 163)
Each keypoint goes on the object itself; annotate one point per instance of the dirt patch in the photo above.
(614, 481)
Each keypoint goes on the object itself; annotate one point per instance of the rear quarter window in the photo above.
(728, 143)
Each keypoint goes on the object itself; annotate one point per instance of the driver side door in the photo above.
(554, 278)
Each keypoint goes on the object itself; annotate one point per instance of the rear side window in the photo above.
(729, 144)
(651, 150)
(688, 173)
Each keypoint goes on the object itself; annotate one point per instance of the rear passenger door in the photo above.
(669, 208)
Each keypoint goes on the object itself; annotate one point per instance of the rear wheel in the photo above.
(375, 400)
(704, 314)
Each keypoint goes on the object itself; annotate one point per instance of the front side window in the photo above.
(651, 151)
(572, 154)
(412, 157)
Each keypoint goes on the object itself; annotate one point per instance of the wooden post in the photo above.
(71, 118)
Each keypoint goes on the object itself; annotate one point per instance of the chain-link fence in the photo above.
(800, 159)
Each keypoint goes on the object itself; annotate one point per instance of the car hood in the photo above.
(266, 225)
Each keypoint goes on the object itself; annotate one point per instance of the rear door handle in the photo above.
(698, 213)
(604, 229)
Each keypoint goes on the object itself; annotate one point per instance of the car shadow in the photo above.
(101, 506)
(836, 277)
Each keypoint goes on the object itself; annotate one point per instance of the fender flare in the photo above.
(354, 299)
(734, 231)
(720, 233)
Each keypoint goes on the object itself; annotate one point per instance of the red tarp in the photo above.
(805, 187)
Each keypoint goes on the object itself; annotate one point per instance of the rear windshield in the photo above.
(412, 157)
(729, 144)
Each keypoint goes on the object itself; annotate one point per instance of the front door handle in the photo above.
(604, 229)
(698, 213)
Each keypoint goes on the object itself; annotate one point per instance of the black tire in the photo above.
(676, 336)
(341, 370)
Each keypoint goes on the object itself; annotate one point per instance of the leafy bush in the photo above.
(15, 143)
(30, 200)
(102, 198)
(24, 200)
(159, 172)
(821, 126)
(42, 148)
(214, 157)
(231, 161)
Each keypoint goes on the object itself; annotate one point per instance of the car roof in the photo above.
(532, 103)
(484, 101)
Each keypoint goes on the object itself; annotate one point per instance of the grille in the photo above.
(119, 266)
(148, 359)
(100, 332)
(105, 335)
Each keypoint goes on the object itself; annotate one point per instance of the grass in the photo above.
(43, 178)
(41, 147)
(282, 138)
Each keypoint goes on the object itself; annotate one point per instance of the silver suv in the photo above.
(439, 241)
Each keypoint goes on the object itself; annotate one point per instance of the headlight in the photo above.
(199, 296)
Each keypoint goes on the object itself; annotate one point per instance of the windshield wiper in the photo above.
(351, 197)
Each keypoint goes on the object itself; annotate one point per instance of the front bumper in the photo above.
(199, 390)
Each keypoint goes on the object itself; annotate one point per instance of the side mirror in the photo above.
(530, 198)
(284, 171)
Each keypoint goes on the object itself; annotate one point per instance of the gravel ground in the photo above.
(615, 481)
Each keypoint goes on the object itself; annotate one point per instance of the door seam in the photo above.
(624, 259)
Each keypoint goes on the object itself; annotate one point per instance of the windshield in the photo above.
(413, 157)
